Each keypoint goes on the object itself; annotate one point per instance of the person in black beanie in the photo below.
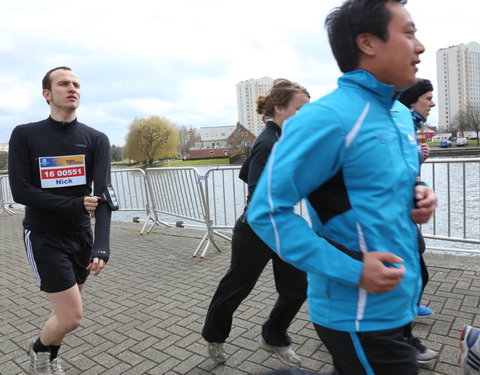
(419, 99)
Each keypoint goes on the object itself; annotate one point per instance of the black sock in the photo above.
(39, 347)
(54, 351)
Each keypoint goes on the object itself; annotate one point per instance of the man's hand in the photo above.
(91, 204)
(96, 266)
(426, 150)
(426, 204)
(377, 275)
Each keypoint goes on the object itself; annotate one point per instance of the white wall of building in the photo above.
(247, 94)
(458, 80)
(214, 136)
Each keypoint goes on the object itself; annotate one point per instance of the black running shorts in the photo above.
(58, 260)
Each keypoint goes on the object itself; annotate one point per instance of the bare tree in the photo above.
(3, 160)
(461, 123)
(188, 137)
(116, 153)
(468, 119)
(151, 138)
(474, 117)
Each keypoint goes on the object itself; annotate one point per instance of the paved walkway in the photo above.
(144, 313)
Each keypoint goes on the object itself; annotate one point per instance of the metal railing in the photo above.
(6, 198)
(216, 199)
(457, 218)
(132, 192)
(129, 184)
(226, 196)
(178, 192)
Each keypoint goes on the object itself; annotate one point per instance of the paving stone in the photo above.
(145, 312)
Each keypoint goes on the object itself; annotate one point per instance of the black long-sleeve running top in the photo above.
(262, 147)
(51, 167)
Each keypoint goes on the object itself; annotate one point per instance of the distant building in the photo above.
(3, 147)
(219, 141)
(425, 134)
(247, 95)
(214, 136)
(441, 137)
(458, 80)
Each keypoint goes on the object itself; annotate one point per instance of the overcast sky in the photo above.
(182, 59)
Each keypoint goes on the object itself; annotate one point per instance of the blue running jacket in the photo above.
(355, 161)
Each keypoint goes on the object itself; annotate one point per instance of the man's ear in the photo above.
(46, 94)
(366, 43)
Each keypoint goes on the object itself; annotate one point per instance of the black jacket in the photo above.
(253, 166)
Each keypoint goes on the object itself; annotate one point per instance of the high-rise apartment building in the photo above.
(247, 94)
(458, 81)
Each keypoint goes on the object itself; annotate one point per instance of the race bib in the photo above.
(62, 171)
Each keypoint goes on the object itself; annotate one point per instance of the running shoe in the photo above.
(423, 311)
(470, 357)
(285, 354)
(217, 352)
(39, 362)
(56, 367)
(424, 355)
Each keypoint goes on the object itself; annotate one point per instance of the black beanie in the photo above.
(411, 95)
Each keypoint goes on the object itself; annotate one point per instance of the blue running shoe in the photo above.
(470, 344)
(423, 311)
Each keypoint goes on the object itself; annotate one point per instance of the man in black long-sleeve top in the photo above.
(52, 165)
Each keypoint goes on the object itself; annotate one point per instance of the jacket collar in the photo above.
(384, 93)
(273, 126)
(418, 119)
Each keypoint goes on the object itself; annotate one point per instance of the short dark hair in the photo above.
(411, 95)
(354, 17)
(280, 94)
(47, 82)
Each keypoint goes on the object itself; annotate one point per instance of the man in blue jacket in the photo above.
(356, 166)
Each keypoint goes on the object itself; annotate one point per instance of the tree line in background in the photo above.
(466, 120)
(3, 160)
(157, 137)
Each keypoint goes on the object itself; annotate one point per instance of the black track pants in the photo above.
(250, 255)
(369, 353)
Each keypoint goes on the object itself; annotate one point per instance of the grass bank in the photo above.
(176, 163)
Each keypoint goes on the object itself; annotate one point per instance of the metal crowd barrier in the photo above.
(456, 182)
(178, 192)
(226, 196)
(216, 199)
(6, 198)
(132, 192)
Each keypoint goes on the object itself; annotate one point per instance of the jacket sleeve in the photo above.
(310, 151)
(24, 191)
(103, 213)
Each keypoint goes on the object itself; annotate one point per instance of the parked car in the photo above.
(462, 141)
(445, 144)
